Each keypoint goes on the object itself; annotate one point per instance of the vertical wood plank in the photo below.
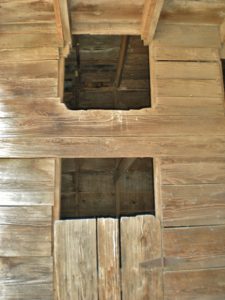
(76, 259)
(141, 258)
(108, 259)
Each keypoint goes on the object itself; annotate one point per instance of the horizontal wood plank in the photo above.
(196, 284)
(96, 147)
(25, 241)
(28, 54)
(193, 204)
(194, 248)
(181, 171)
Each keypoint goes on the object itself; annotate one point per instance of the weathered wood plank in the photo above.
(76, 259)
(108, 259)
(181, 171)
(25, 271)
(197, 284)
(140, 247)
(183, 35)
(81, 125)
(189, 106)
(193, 204)
(30, 11)
(187, 70)
(96, 147)
(26, 216)
(188, 88)
(28, 54)
(25, 240)
(184, 54)
(194, 248)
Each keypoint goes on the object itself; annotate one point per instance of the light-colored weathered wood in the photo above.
(197, 284)
(193, 204)
(194, 248)
(140, 250)
(28, 54)
(26, 215)
(108, 259)
(186, 171)
(76, 259)
(151, 13)
(184, 54)
(17, 240)
(193, 12)
(184, 35)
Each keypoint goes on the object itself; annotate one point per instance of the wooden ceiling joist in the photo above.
(121, 61)
(151, 13)
(124, 165)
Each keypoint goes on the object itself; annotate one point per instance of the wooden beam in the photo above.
(63, 24)
(222, 34)
(150, 17)
(121, 61)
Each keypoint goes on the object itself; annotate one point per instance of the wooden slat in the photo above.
(17, 240)
(197, 284)
(140, 246)
(151, 13)
(26, 216)
(194, 248)
(96, 147)
(184, 54)
(108, 259)
(187, 70)
(188, 88)
(193, 12)
(181, 171)
(76, 259)
(189, 106)
(193, 204)
(21, 292)
(29, 11)
(28, 54)
(197, 36)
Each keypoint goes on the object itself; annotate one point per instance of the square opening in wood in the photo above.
(107, 187)
(107, 72)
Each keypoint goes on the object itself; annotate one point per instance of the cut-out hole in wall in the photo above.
(107, 72)
(107, 187)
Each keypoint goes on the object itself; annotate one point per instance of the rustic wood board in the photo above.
(189, 171)
(193, 204)
(28, 54)
(194, 248)
(17, 240)
(83, 147)
(196, 284)
(140, 247)
(108, 259)
(76, 259)
(26, 215)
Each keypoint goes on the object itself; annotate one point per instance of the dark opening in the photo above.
(107, 187)
(107, 72)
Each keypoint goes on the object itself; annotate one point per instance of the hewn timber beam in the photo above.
(222, 33)
(63, 24)
(150, 17)
(124, 165)
(121, 61)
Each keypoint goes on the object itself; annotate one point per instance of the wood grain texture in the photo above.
(186, 171)
(26, 215)
(194, 248)
(140, 246)
(184, 35)
(193, 204)
(17, 240)
(108, 259)
(97, 147)
(76, 259)
(196, 284)
(28, 54)
(21, 181)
